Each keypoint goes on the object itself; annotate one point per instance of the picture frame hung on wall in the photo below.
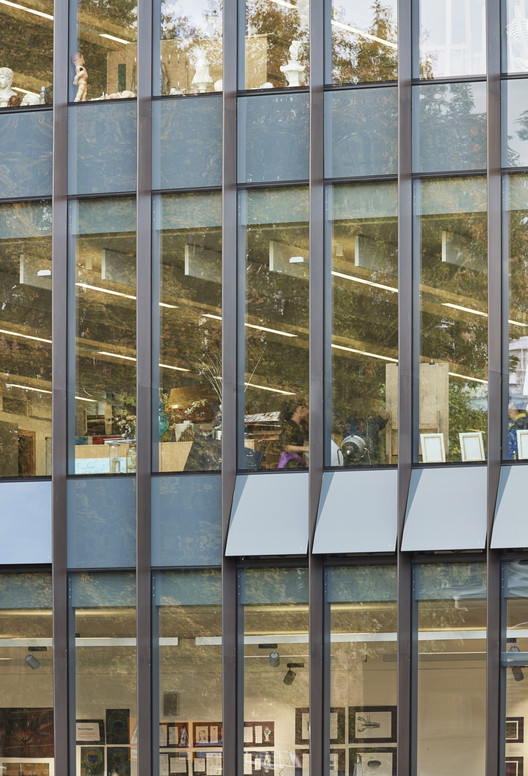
(174, 764)
(260, 762)
(337, 725)
(382, 762)
(25, 768)
(433, 448)
(178, 735)
(302, 726)
(118, 760)
(207, 764)
(372, 724)
(259, 734)
(117, 726)
(514, 730)
(92, 761)
(522, 444)
(514, 766)
(337, 762)
(472, 446)
(207, 734)
(89, 731)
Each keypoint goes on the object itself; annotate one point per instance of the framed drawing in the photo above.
(374, 724)
(337, 762)
(302, 726)
(92, 761)
(177, 764)
(302, 762)
(207, 763)
(261, 763)
(118, 760)
(207, 734)
(514, 766)
(259, 734)
(27, 733)
(24, 768)
(472, 446)
(433, 448)
(522, 444)
(178, 735)
(514, 730)
(89, 731)
(117, 726)
(382, 762)
(337, 725)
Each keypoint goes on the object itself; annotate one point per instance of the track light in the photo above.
(517, 671)
(290, 676)
(274, 658)
(32, 661)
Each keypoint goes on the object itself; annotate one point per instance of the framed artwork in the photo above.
(89, 731)
(382, 762)
(22, 768)
(514, 766)
(337, 725)
(92, 761)
(207, 734)
(163, 734)
(117, 722)
(472, 446)
(522, 444)
(515, 730)
(433, 448)
(260, 763)
(207, 763)
(27, 733)
(337, 762)
(302, 726)
(259, 734)
(174, 764)
(118, 760)
(178, 735)
(375, 724)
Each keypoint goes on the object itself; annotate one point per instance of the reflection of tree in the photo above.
(357, 58)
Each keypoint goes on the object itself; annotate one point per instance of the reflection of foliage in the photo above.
(357, 58)
(464, 413)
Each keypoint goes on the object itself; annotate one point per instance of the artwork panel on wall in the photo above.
(337, 762)
(260, 762)
(117, 726)
(207, 734)
(302, 726)
(89, 731)
(259, 733)
(118, 760)
(382, 762)
(21, 768)
(92, 761)
(207, 763)
(27, 733)
(375, 724)
(514, 730)
(514, 766)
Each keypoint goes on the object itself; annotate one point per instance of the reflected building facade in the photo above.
(263, 388)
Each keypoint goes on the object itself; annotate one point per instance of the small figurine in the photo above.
(81, 78)
(6, 79)
(294, 71)
(14, 101)
(202, 77)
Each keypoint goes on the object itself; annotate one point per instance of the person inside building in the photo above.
(367, 422)
(518, 422)
(293, 439)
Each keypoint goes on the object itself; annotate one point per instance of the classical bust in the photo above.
(6, 79)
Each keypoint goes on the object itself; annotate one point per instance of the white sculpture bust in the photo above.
(296, 51)
(6, 79)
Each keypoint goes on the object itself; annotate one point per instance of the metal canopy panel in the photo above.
(25, 524)
(510, 528)
(357, 512)
(269, 515)
(446, 509)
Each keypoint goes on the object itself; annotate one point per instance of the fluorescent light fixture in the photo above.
(24, 91)
(365, 353)
(466, 377)
(517, 323)
(115, 355)
(113, 37)
(170, 306)
(83, 398)
(105, 290)
(465, 309)
(347, 27)
(254, 326)
(25, 336)
(29, 10)
(272, 390)
(44, 273)
(175, 368)
(296, 259)
(364, 282)
(214, 317)
(27, 388)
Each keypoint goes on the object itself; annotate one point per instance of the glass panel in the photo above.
(514, 123)
(190, 47)
(25, 339)
(274, 264)
(516, 205)
(363, 669)
(104, 250)
(449, 129)
(273, 137)
(364, 41)
(189, 240)
(362, 423)
(276, 667)
(187, 143)
(452, 38)
(25, 155)
(514, 659)
(104, 676)
(514, 51)
(102, 148)
(26, 655)
(103, 50)
(189, 616)
(26, 71)
(451, 669)
(451, 255)
(361, 132)
(276, 44)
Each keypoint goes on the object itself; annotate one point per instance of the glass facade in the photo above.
(242, 241)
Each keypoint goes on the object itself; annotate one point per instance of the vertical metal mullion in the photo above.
(405, 378)
(147, 764)
(319, 720)
(495, 323)
(232, 703)
(63, 732)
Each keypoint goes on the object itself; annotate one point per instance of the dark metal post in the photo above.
(146, 761)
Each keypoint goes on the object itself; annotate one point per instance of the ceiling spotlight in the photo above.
(290, 676)
(274, 658)
(517, 671)
(32, 661)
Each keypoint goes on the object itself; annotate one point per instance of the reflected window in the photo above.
(450, 668)
(190, 48)
(103, 672)
(274, 618)
(514, 48)
(26, 66)
(452, 38)
(515, 425)
(274, 265)
(514, 135)
(451, 244)
(363, 676)
(362, 424)
(189, 640)
(103, 50)
(277, 44)
(189, 239)
(364, 41)
(25, 339)
(103, 258)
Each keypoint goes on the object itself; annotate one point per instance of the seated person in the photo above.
(293, 439)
